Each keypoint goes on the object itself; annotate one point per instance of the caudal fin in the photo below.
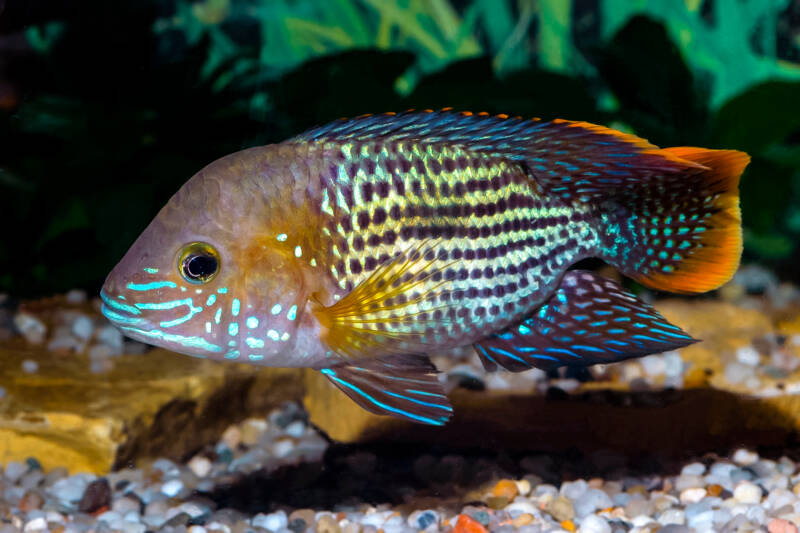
(681, 233)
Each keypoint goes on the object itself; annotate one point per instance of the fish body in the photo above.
(359, 247)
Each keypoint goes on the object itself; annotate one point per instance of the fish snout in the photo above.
(119, 312)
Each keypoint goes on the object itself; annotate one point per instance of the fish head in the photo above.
(209, 277)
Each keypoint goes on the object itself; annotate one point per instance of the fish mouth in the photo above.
(121, 314)
(126, 318)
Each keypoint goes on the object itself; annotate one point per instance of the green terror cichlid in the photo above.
(359, 247)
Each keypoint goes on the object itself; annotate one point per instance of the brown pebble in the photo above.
(779, 525)
(715, 490)
(327, 524)
(306, 515)
(505, 488)
(561, 509)
(96, 496)
(496, 502)
(30, 501)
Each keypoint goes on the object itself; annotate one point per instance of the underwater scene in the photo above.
(364, 266)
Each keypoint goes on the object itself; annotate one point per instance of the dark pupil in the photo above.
(201, 266)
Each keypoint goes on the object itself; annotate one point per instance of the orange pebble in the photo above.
(715, 490)
(505, 488)
(466, 524)
(569, 525)
(779, 525)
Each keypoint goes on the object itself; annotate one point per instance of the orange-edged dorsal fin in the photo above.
(390, 311)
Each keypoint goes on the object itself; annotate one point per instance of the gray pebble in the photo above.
(82, 328)
(590, 501)
(574, 489)
(30, 327)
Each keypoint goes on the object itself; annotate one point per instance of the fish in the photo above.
(361, 247)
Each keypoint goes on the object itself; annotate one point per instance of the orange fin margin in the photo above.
(716, 238)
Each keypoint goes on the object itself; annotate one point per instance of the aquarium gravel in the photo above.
(742, 492)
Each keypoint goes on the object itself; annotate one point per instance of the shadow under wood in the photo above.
(597, 434)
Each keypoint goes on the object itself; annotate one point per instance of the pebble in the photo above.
(76, 297)
(272, 522)
(746, 492)
(29, 366)
(96, 496)
(594, 524)
(736, 373)
(779, 525)
(693, 495)
(82, 327)
(747, 355)
(201, 466)
(30, 327)
(590, 501)
(744, 457)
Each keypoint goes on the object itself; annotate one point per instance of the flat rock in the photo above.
(156, 404)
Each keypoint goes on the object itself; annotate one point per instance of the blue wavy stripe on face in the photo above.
(188, 342)
(192, 311)
(119, 306)
(332, 375)
(150, 286)
(119, 319)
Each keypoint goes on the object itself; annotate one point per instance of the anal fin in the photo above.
(404, 386)
(589, 320)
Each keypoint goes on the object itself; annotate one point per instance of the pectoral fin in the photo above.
(401, 386)
(589, 320)
(389, 312)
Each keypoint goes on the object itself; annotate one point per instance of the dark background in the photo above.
(105, 111)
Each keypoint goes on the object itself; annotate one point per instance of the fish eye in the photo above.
(198, 262)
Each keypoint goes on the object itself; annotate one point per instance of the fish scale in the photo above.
(491, 223)
(362, 246)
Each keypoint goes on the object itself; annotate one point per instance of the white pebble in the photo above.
(738, 373)
(76, 296)
(272, 522)
(29, 366)
(747, 355)
(653, 365)
(282, 448)
(172, 487)
(37, 524)
(744, 457)
(673, 364)
(693, 495)
(200, 465)
(672, 516)
(82, 327)
(295, 429)
(594, 524)
(746, 492)
(30, 327)
(686, 481)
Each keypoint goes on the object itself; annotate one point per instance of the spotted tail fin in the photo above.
(683, 232)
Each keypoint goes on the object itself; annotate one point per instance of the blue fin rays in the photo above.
(553, 335)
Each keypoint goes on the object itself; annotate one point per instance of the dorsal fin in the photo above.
(570, 159)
